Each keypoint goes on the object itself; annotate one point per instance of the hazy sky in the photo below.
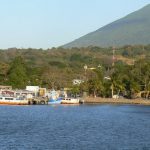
(48, 23)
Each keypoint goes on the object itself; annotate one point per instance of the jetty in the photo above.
(38, 101)
(98, 100)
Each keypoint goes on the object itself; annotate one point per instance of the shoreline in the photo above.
(98, 100)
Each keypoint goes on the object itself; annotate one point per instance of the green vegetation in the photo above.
(17, 74)
(57, 67)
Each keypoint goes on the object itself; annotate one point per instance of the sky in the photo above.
(52, 23)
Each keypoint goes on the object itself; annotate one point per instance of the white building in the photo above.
(77, 81)
(34, 89)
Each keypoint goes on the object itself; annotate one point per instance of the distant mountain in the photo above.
(130, 30)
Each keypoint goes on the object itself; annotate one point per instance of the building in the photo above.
(24, 93)
(34, 89)
(3, 87)
(77, 81)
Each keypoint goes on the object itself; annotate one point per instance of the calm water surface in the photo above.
(84, 127)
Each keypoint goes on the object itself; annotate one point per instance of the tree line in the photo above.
(57, 67)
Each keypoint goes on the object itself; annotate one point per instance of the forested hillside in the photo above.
(57, 67)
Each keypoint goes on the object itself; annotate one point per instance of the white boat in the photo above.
(7, 100)
(68, 100)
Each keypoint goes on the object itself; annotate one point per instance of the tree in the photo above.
(95, 84)
(3, 72)
(17, 73)
(145, 75)
(75, 90)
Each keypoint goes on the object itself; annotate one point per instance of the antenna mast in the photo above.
(113, 58)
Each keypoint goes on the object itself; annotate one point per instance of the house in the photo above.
(3, 87)
(77, 81)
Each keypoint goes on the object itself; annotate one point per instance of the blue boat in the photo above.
(55, 101)
(54, 98)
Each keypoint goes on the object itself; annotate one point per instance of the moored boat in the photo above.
(54, 97)
(68, 100)
(4, 100)
(55, 100)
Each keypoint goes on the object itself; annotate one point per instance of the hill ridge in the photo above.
(129, 30)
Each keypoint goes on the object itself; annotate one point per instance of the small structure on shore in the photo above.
(25, 93)
(34, 89)
(3, 87)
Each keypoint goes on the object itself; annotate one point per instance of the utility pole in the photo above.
(113, 64)
(85, 71)
(113, 57)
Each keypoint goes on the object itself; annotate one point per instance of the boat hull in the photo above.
(14, 102)
(70, 101)
(55, 101)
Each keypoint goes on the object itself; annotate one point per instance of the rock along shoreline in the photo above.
(99, 100)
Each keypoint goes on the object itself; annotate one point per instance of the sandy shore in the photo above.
(116, 101)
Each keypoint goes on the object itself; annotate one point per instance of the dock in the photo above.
(38, 101)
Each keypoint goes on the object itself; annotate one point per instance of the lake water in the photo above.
(84, 127)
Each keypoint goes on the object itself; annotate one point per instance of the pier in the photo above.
(38, 101)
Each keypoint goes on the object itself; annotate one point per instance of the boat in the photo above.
(68, 100)
(8, 100)
(54, 98)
